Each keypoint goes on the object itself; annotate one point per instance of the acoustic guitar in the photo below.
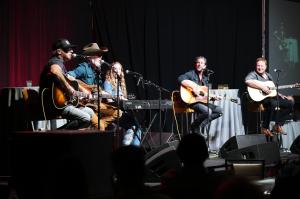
(62, 99)
(189, 97)
(258, 95)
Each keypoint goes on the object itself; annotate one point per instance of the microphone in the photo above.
(209, 71)
(277, 70)
(104, 62)
(133, 73)
(74, 55)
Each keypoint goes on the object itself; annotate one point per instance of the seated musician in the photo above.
(197, 81)
(260, 80)
(89, 72)
(54, 75)
(114, 76)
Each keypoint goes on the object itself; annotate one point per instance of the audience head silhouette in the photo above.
(238, 187)
(129, 165)
(192, 150)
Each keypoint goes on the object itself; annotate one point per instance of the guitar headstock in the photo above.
(297, 85)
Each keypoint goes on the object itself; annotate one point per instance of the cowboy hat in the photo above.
(93, 49)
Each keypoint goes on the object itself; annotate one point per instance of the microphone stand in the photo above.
(277, 108)
(118, 99)
(160, 89)
(141, 137)
(98, 75)
(208, 114)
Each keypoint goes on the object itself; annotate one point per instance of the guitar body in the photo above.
(258, 95)
(61, 99)
(188, 97)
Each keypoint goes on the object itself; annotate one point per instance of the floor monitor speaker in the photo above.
(241, 141)
(269, 152)
(295, 147)
(160, 160)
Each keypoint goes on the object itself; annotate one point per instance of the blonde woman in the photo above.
(116, 76)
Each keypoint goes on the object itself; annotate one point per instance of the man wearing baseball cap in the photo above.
(64, 93)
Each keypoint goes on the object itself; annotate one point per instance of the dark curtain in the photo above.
(160, 39)
(156, 38)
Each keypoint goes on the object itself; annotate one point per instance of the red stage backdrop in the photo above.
(27, 31)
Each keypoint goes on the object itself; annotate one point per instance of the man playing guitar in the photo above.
(193, 79)
(258, 79)
(54, 73)
(89, 72)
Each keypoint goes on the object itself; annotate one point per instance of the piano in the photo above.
(146, 104)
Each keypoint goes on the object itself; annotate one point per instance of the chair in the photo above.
(35, 111)
(180, 107)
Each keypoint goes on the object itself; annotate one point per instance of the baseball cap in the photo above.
(63, 44)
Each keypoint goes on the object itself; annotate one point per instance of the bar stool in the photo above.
(258, 108)
(186, 114)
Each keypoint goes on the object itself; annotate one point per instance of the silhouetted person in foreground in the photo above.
(193, 180)
(129, 172)
(287, 181)
(238, 187)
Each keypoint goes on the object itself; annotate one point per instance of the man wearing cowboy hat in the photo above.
(89, 72)
(53, 77)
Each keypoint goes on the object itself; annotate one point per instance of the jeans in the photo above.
(270, 104)
(132, 136)
(79, 117)
(213, 111)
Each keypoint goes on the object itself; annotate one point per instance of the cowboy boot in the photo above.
(278, 129)
(266, 131)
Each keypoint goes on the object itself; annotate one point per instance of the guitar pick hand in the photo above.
(201, 98)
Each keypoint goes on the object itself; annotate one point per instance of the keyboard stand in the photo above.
(143, 134)
(147, 132)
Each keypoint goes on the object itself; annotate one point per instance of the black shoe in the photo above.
(195, 129)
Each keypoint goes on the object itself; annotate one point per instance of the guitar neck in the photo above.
(286, 86)
(80, 94)
(258, 95)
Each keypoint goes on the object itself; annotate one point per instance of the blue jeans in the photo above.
(132, 136)
(212, 110)
(79, 117)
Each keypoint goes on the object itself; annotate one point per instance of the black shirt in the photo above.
(46, 78)
(193, 76)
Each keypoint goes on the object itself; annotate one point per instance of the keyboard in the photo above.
(146, 104)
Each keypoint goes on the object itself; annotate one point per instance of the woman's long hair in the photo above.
(111, 76)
